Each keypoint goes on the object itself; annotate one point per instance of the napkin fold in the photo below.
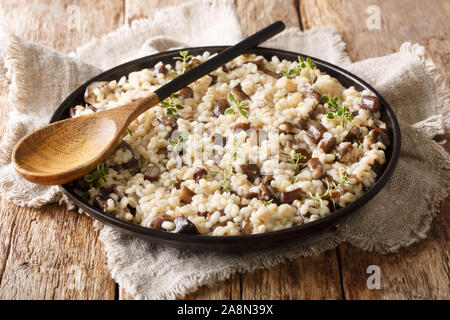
(398, 216)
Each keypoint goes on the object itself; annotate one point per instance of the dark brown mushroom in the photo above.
(305, 153)
(152, 173)
(315, 167)
(241, 126)
(239, 94)
(192, 64)
(316, 131)
(267, 192)
(370, 103)
(327, 144)
(265, 179)
(160, 69)
(377, 168)
(287, 128)
(89, 96)
(378, 135)
(132, 210)
(308, 92)
(353, 135)
(220, 106)
(199, 173)
(290, 196)
(101, 198)
(185, 226)
(213, 79)
(186, 195)
(156, 222)
(168, 120)
(250, 195)
(344, 150)
(186, 93)
(251, 170)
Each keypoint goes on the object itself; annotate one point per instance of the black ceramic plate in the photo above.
(242, 242)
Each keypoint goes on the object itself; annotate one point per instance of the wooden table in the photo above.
(52, 253)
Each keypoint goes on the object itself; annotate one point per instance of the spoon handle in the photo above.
(219, 60)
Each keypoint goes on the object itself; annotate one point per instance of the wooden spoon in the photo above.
(69, 149)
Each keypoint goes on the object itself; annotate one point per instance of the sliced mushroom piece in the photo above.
(250, 195)
(220, 106)
(89, 96)
(156, 222)
(168, 120)
(265, 179)
(213, 79)
(267, 192)
(199, 173)
(239, 94)
(315, 167)
(370, 103)
(251, 170)
(344, 150)
(316, 131)
(327, 144)
(287, 128)
(186, 93)
(152, 173)
(305, 153)
(377, 168)
(192, 64)
(241, 126)
(308, 92)
(186, 195)
(353, 135)
(185, 226)
(101, 198)
(378, 135)
(290, 196)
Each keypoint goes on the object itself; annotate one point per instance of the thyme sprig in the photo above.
(99, 173)
(266, 203)
(170, 105)
(227, 173)
(336, 111)
(302, 64)
(236, 106)
(345, 180)
(296, 160)
(185, 58)
(179, 144)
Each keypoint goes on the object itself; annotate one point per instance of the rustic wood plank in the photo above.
(135, 9)
(304, 278)
(51, 253)
(401, 20)
(58, 23)
(420, 271)
(256, 14)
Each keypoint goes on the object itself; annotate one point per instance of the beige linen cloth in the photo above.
(400, 215)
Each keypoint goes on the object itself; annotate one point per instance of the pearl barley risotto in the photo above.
(256, 146)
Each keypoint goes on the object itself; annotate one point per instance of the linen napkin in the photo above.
(400, 215)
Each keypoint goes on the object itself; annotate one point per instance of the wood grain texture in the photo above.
(422, 270)
(138, 9)
(256, 14)
(52, 253)
(303, 278)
